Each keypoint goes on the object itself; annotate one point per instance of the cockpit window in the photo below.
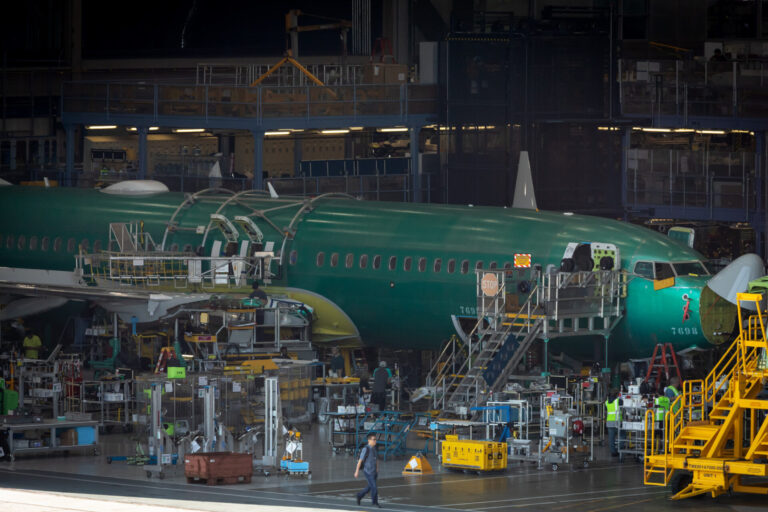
(663, 270)
(690, 267)
(644, 269)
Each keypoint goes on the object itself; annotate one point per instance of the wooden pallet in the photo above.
(230, 480)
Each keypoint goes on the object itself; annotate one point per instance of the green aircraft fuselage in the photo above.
(394, 272)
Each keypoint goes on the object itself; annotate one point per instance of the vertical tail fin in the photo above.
(525, 196)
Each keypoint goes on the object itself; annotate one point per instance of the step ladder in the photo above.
(663, 359)
(717, 433)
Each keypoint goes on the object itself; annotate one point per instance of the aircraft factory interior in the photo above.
(412, 255)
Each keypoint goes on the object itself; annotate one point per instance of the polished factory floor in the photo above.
(83, 482)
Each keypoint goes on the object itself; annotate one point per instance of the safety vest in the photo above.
(674, 390)
(613, 413)
(662, 407)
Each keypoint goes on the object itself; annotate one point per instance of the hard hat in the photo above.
(382, 364)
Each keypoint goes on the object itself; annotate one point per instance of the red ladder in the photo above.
(663, 357)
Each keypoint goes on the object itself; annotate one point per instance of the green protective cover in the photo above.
(339, 252)
(759, 285)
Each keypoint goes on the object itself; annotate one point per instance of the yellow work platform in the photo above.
(473, 455)
(716, 431)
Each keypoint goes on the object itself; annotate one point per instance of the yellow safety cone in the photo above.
(418, 465)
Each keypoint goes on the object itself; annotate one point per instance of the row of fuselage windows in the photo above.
(58, 244)
(408, 263)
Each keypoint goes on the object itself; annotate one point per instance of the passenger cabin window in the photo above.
(21, 244)
(363, 261)
(407, 263)
(422, 264)
(33, 243)
(188, 248)
(57, 244)
(644, 269)
(464, 266)
(376, 262)
(507, 265)
(45, 243)
(84, 244)
(71, 245)
(479, 265)
(320, 260)
(292, 257)
(174, 247)
(392, 262)
(349, 261)
(97, 246)
(437, 265)
(451, 266)
(493, 265)
(9, 242)
(334, 259)
(663, 270)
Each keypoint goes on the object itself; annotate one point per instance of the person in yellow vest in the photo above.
(612, 420)
(32, 345)
(672, 392)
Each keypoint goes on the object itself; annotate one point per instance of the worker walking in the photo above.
(32, 345)
(381, 378)
(369, 462)
(612, 420)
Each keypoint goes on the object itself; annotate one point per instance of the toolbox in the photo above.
(474, 455)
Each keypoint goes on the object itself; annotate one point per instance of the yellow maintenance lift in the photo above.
(716, 432)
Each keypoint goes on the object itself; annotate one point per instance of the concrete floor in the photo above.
(83, 482)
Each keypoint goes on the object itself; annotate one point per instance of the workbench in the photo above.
(54, 429)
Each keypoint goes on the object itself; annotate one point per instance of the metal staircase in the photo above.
(717, 430)
(559, 304)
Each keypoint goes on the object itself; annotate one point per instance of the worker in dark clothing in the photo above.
(258, 293)
(381, 377)
(369, 463)
(337, 362)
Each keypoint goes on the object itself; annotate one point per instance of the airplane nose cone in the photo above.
(735, 277)
(717, 303)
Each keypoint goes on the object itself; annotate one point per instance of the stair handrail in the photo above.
(506, 332)
(675, 421)
(718, 377)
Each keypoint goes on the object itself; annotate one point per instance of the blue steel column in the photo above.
(70, 151)
(415, 168)
(258, 161)
(142, 152)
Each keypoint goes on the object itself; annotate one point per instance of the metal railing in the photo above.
(692, 88)
(245, 74)
(691, 179)
(114, 100)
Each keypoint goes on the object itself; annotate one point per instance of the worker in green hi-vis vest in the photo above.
(612, 420)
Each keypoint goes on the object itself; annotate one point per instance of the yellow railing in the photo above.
(716, 379)
(693, 399)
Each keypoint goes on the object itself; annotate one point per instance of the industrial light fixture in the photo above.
(657, 130)
(742, 131)
(333, 132)
(151, 128)
(711, 132)
(293, 130)
(277, 133)
(356, 128)
(189, 130)
(395, 129)
(683, 130)
(608, 128)
(101, 127)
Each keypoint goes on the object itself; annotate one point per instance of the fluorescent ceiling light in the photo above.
(151, 128)
(356, 128)
(101, 127)
(277, 133)
(741, 131)
(333, 132)
(657, 130)
(711, 132)
(683, 130)
(395, 129)
(189, 130)
(608, 128)
(293, 129)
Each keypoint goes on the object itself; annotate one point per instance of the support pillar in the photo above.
(258, 161)
(70, 158)
(12, 161)
(142, 130)
(625, 145)
(415, 166)
(545, 366)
